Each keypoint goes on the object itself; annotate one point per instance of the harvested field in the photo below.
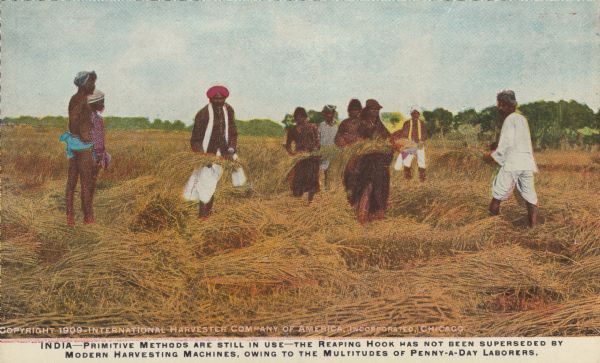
(267, 259)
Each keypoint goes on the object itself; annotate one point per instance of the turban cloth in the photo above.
(300, 112)
(95, 97)
(373, 104)
(328, 109)
(354, 105)
(507, 96)
(82, 77)
(213, 91)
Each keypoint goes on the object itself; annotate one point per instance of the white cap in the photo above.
(415, 108)
(95, 97)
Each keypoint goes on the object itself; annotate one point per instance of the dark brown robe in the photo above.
(217, 138)
(304, 176)
(369, 169)
(82, 166)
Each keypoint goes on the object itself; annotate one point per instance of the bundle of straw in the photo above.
(576, 317)
(493, 271)
(341, 156)
(177, 168)
(467, 158)
(274, 262)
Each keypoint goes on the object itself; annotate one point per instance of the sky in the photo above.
(156, 59)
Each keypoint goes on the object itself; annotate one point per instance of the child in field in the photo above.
(101, 157)
(327, 131)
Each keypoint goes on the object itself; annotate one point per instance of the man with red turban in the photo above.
(214, 133)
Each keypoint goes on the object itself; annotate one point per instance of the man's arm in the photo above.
(289, 140)
(232, 142)
(200, 124)
(506, 141)
(84, 123)
(404, 131)
(340, 135)
(381, 130)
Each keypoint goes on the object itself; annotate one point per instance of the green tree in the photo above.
(392, 117)
(55, 121)
(438, 120)
(544, 123)
(466, 117)
(259, 127)
(178, 125)
(288, 121)
(157, 124)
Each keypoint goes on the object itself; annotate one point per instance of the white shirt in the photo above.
(327, 133)
(515, 151)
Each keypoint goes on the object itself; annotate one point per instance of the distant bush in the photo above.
(259, 127)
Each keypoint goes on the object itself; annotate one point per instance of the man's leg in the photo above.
(207, 185)
(422, 175)
(407, 166)
(95, 171)
(362, 209)
(205, 208)
(532, 213)
(72, 176)
(380, 193)
(421, 163)
(86, 174)
(502, 188)
(324, 166)
(494, 207)
(526, 187)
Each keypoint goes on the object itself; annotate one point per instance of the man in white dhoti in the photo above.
(415, 131)
(327, 131)
(215, 133)
(515, 156)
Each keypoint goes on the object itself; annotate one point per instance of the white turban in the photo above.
(82, 77)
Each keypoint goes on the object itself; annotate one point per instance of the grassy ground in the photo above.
(268, 259)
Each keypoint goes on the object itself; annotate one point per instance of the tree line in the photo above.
(254, 127)
(552, 124)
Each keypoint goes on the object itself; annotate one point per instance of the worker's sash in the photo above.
(418, 130)
(211, 122)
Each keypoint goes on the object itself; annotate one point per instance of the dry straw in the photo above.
(267, 258)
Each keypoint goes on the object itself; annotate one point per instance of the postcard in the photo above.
(300, 181)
